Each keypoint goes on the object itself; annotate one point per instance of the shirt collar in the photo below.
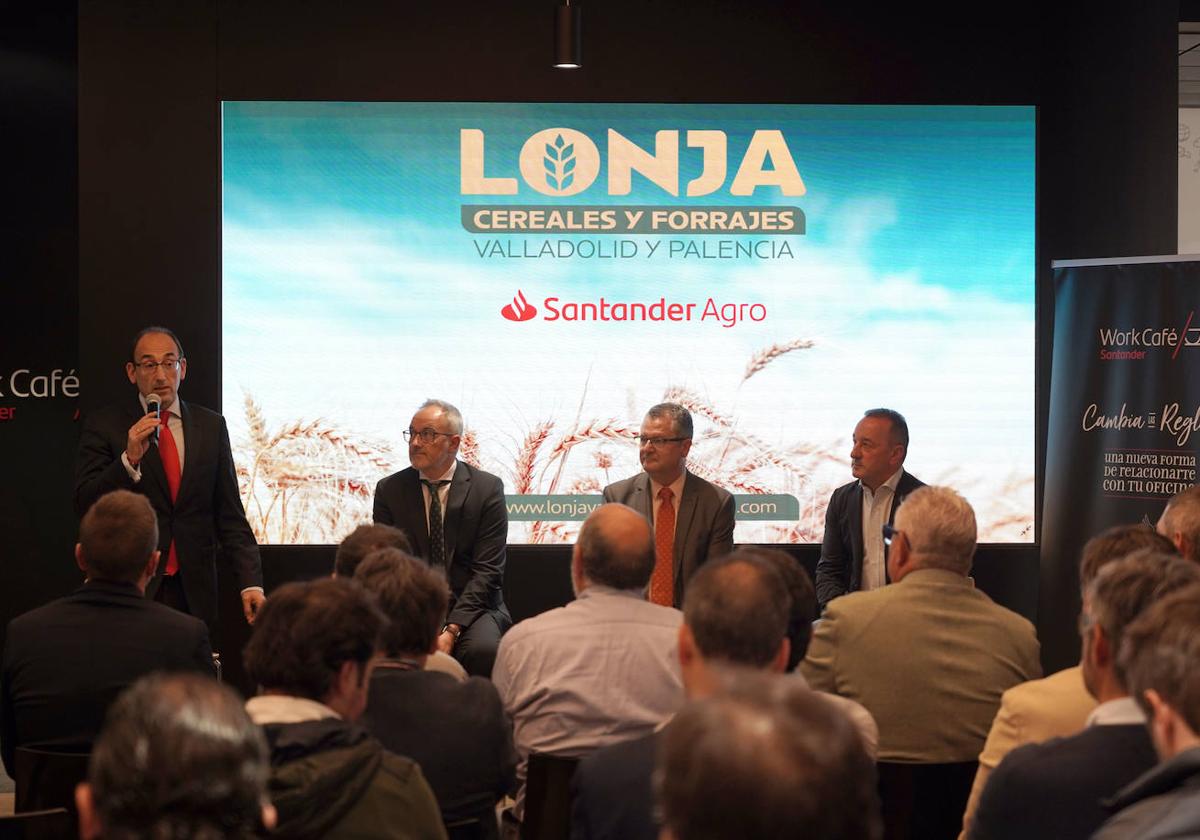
(676, 486)
(890, 484)
(1123, 711)
(446, 476)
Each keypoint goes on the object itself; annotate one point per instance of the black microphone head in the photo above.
(153, 403)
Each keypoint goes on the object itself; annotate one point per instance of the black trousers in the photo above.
(476, 647)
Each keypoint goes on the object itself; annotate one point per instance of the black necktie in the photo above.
(437, 534)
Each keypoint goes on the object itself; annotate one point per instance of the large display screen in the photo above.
(556, 269)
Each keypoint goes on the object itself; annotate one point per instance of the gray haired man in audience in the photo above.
(603, 668)
(930, 655)
(1180, 522)
(1159, 657)
(180, 758)
(765, 758)
(1054, 790)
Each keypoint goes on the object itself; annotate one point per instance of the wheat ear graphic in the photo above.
(560, 163)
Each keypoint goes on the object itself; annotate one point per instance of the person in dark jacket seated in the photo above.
(179, 758)
(312, 652)
(1054, 790)
(456, 731)
(65, 662)
(1159, 657)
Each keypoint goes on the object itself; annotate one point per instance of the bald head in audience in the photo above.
(180, 758)
(764, 757)
(614, 549)
(1180, 522)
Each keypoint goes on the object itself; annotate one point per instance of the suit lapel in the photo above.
(460, 486)
(412, 503)
(856, 532)
(193, 448)
(640, 500)
(683, 524)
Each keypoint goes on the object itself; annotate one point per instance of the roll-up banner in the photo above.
(1124, 412)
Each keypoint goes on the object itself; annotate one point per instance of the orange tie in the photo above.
(169, 456)
(662, 581)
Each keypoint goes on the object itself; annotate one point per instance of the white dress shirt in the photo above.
(876, 511)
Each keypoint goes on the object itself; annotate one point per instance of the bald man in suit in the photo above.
(691, 518)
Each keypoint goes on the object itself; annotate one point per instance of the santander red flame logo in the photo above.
(520, 309)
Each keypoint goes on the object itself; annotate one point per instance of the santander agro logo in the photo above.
(520, 309)
(564, 162)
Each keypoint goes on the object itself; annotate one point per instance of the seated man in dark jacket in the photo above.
(65, 662)
(456, 731)
(1159, 656)
(312, 652)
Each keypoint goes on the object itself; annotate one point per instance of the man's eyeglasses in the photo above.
(658, 441)
(425, 435)
(167, 365)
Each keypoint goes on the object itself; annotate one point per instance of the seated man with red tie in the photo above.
(177, 455)
(692, 519)
(454, 515)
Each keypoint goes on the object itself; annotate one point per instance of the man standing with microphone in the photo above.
(178, 456)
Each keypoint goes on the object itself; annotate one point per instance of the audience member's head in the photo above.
(735, 612)
(614, 548)
(412, 594)
(1180, 522)
(765, 758)
(1158, 658)
(804, 610)
(1120, 592)
(362, 541)
(318, 640)
(178, 757)
(1117, 542)
(936, 531)
(118, 539)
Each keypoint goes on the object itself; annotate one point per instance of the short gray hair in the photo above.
(1182, 515)
(940, 527)
(453, 415)
(681, 418)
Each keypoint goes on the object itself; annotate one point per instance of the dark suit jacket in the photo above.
(840, 568)
(206, 517)
(476, 531)
(612, 794)
(64, 663)
(1054, 790)
(456, 731)
(703, 528)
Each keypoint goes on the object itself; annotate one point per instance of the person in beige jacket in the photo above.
(929, 655)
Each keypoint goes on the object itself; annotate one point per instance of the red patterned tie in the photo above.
(169, 456)
(662, 581)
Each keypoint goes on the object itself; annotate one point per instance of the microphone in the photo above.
(153, 404)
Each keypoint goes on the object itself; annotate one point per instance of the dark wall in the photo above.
(38, 302)
(151, 76)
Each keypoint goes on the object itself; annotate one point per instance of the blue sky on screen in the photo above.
(352, 291)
